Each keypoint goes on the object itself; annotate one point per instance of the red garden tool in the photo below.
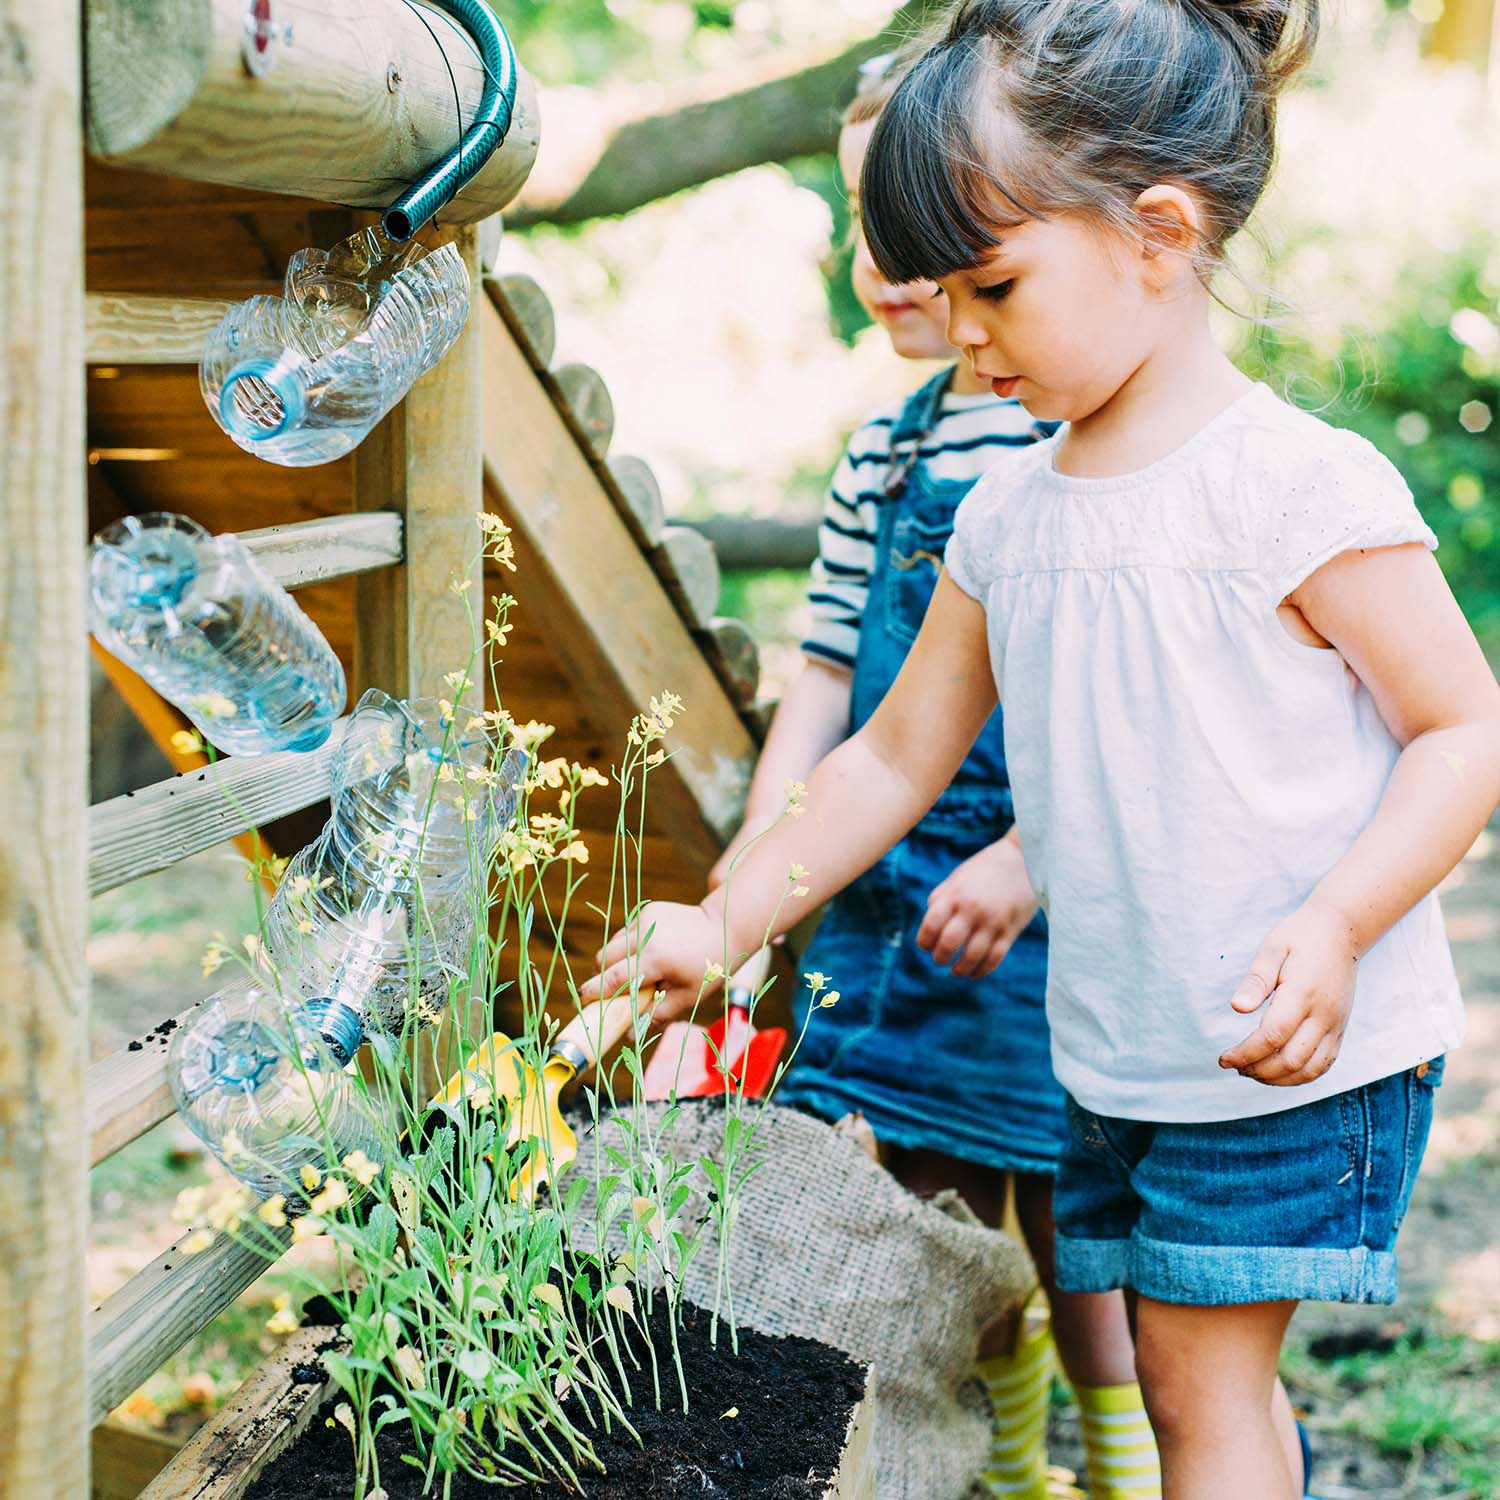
(693, 1061)
(742, 1059)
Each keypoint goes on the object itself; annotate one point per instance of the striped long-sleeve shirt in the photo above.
(970, 434)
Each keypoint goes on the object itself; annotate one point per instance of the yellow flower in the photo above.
(214, 954)
(817, 980)
(458, 681)
(460, 586)
(713, 971)
(252, 945)
(283, 1320)
(796, 873)
(491, 524)
(229, 1208)
(198, 1241)
(189, 1204)
(232, 1145)
(799, 891)
(273, 1211)
(828, 1001)
(796, 791)
(187, 742)
(656, 757)
(361, 1168)
(576, 850)
(308, 1227)
(498, 631)
(334, 1196)
(213, 706)
(310, 1176)
(588, 776)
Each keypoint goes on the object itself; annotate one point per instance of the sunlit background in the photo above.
(739, 364)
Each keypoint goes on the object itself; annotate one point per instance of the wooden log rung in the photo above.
(314, 551)
(136, 329)
(146, 831)
(525, 306)
(159, 1309)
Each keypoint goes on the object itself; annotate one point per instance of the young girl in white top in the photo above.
(1248, 729)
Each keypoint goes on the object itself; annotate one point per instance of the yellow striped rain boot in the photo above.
(1122, 1458)
(1020, 1387)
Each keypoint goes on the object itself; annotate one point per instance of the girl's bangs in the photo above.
(930, 205)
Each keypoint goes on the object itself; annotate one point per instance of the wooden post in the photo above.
(412, 625)
(43, 737)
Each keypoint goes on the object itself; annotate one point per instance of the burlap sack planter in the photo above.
(828, 1245)
(279, 1403)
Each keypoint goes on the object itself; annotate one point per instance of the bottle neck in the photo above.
(263, 398)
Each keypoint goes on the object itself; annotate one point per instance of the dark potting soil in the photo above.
(792, 1398)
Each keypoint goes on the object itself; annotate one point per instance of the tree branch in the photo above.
(610, 161)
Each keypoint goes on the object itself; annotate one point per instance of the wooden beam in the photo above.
(158, 1310)
(43, 775)
(268, 1413)
(608, 618)
(127, 329)
(354, 107)
(128, 1091)
(305, 552)
(422, 461)
(146, 831)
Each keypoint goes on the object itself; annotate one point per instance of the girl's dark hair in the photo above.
(1027, 108)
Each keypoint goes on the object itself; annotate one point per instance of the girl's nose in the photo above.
(965, 331)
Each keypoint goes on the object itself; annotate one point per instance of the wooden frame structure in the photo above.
(107, 270)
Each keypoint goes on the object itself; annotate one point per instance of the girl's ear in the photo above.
(1171, 231)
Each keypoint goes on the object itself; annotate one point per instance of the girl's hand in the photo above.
(975, 915)
(676, 959)
(1306, 969)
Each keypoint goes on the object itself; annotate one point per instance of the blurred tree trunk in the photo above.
(603, 155)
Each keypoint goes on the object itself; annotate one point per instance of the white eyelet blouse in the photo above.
(1184, 771)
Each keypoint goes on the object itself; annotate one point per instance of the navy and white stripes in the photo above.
(970, 433)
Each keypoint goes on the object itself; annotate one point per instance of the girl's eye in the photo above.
(997, 293)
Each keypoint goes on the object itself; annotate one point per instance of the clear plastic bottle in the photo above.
(199, 619)
(377, 915)
(302, 378)
(265, 1086)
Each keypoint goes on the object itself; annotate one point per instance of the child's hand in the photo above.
(678, 947)
(1306, 969)
(975, 915)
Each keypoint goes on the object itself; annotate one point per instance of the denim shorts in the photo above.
(1303, 1203)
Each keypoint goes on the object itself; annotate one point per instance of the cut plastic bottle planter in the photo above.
(301, 379)
(199, 619)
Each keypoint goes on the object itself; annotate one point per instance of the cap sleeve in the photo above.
(1344, 495)
(968, 558)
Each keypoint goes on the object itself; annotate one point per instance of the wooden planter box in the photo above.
(268, 1413)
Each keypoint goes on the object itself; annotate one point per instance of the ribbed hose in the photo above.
(485, 133)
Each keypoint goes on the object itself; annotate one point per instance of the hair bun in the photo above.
(1282, 32)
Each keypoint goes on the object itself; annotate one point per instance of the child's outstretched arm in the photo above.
(812, 718)
(1391, 616)
(858, 802)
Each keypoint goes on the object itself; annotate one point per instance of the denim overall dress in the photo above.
(961, 1066)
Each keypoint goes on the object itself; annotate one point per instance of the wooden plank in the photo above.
(123, 329)
(355, 109)
(855, 1479)
(612, 628)
(411, 628)
(43, 740)
(146, 831)
(127, 1091)
(158, 1310)
(125, 1459)
(307, 552)
(268, 1413)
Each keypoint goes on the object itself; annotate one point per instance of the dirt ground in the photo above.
(1401, 1402)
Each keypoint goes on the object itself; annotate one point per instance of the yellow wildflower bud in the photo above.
(310, 1176)
(361, 1168)
(273, 1211)
(334, 1196)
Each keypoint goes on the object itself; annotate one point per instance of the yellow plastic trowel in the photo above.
(498, 1073)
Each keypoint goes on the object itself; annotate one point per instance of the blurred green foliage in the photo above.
(1422, 382)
